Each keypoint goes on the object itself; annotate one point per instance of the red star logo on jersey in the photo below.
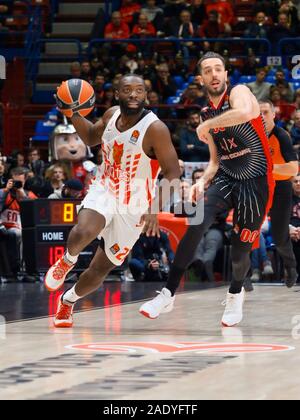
(118, 151)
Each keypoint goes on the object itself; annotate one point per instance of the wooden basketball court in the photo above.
(115, 353)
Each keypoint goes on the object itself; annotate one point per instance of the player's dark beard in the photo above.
(218, 92)
(130, 111)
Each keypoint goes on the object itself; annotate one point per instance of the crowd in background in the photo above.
(168, 82)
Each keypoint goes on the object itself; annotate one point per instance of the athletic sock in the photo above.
(235, 287)
(174, 278)
(70, 296)
(71, 258)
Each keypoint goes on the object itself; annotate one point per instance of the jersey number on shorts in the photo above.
(248, 236)
(122, 255)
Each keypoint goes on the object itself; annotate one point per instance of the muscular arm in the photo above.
(158, 141)
(244, 108)
(91, 134)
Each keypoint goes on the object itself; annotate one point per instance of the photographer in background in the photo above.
(72, 189)
(151, 258)
(3, 178)
(10, 216)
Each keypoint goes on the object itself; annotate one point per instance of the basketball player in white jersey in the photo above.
(135, 146)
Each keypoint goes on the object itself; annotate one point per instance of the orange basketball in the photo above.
(75, 95)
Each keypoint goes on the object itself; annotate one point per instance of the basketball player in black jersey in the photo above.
(239, 176)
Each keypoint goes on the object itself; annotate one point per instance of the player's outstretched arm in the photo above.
(244, 108)
(91, 134)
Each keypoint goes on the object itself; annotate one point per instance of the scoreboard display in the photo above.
(45, 228)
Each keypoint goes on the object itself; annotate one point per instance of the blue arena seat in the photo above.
(179, 81)
(247, 79)
(173, 100)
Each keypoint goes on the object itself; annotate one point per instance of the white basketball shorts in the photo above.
(122, 228)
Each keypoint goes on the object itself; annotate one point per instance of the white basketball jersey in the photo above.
(127, 172)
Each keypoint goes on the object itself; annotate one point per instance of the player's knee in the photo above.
(239, 254)
(84, 232)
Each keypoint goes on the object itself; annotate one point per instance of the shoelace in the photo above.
(65, 311)
(61, 269)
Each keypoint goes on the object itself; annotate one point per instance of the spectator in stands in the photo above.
(289, 8)
(108, 98)
(75, 70)
(182, 168)
(99, 24)
(286, 89)
(258, 28)
(295, 131)
(98, 86)
(5, 10)
(10, 198)
(193, 95)
(191, 149)
(197, 174)
(295, 220)
(129, 9)
(260, 88)
(297, 99)
(3, 178)
(116, 29)
(211, 28)
(151, 258)
(35, 163)
(143, 29)
(184, 28)
(154, 102)
(178, 67)
(55, 177)
(269, 7)
(86, 71)
(208, 247)
(155, 15)
(148, 85)
(280, 31)
(72, 188)
(282, 108)
(162, 83)
(260, 258)
(197, 10)
(225, 11)
(174, 7)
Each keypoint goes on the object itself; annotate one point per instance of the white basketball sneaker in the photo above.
(57, 274)
(161, 304)
(233, 313)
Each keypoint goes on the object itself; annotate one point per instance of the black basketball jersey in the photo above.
(243, 149)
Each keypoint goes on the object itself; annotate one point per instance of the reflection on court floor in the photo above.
(115, 353)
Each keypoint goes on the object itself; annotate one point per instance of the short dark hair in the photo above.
(19, 170)
(193, 112)
(197, 170)
(267, 101)
(209, 54)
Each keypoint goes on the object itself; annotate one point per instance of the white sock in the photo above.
(71, 258)
(70, 296)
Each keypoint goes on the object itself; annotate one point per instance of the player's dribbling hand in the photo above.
(151, 225)
(203, 132)
(197, 191)
(58, 105)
